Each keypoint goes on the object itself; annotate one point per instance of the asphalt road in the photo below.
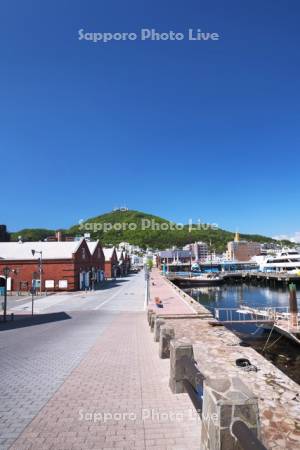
(37, 356)
(76, 301)
(15, 300)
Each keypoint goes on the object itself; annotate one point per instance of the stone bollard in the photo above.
(178, 349)
(167, 333)
(157, 325)
(226, 400)
(149, 314)
(152, 321)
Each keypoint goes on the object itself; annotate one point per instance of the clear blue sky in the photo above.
(183, 130)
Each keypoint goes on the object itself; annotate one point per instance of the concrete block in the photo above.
(149, 314)
(167, 333)
(225, 400)
(152, 322)
(157, 325)
(178, 349)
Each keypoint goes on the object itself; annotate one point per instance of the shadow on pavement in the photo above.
(26, 320)
(109, 284)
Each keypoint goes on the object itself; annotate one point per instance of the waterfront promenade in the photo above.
(92, 380)
(172, 301)
(216, 351)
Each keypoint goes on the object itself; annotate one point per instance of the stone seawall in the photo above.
(215, 351)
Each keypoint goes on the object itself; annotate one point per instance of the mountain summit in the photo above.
(144, 230)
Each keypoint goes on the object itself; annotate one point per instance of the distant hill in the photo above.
(128, 226)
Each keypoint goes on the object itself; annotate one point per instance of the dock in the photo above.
(215, 279)
(232, 322)
(277, 317)
(264, 277)
(197, 350)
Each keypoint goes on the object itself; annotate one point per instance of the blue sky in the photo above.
(180, 129)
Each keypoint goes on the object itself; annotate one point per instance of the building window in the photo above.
(49, 284)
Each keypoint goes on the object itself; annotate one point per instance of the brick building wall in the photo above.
(64, 274)
(56, 270)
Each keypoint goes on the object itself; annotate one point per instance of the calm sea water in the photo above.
(281, 351)
(232, 296)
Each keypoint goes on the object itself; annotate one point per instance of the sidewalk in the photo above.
(173, 303)
(122, 377)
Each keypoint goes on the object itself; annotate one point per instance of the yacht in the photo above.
(286, 261)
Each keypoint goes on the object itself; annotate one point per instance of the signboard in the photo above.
(63, 284)
(49, 284)
(36, 284)
(8, 284)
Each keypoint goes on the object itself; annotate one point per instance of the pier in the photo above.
(101, 378)
(213, 279)
(265, 277)
(266, 400)
(279, 318)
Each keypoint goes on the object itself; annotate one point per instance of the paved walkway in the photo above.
(103, 402)
(77, 301)
(173, 303)
(117, 397)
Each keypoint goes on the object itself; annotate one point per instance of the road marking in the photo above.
(22, 299)
(111, 297)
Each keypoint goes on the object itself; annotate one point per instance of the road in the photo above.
(80, 301)
(35, 360)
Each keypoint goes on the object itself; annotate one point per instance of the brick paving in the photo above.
(173, 303)
(37, 354)
(35, 360)
(121, 376)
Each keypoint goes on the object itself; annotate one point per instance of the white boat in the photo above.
(286, 261)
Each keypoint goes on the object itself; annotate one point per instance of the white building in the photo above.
(199, 250)
(130, 248)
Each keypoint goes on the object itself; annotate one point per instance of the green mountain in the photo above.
(144, 230)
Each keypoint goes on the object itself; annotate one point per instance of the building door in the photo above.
(87, 280)
(82, 280)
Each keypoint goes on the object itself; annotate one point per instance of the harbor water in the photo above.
(229, 298)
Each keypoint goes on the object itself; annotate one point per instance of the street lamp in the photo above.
(147, 277)
(34, 276)
(6, 271)
(40, 267)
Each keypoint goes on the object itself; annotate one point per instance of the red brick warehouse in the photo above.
(68, 266)
(111, 262)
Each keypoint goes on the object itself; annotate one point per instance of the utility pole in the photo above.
(32, 298)
(293, 306)
(147, 277)
(210, 247)
(34, 277)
